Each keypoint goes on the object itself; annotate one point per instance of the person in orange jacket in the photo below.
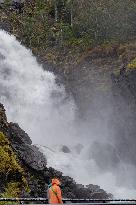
(54, 192)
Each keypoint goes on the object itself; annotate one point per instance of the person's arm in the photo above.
(59, 195)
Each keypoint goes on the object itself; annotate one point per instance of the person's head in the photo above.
(56, 181)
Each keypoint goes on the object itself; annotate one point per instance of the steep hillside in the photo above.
(57, 32)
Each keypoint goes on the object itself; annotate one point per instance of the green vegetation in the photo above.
(60, 31)
(132, 64)
(7, 157)
(12, 191)
(11, 170)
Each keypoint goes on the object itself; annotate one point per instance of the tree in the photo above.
(70, 4)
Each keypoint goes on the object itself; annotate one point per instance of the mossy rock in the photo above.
(12, 170)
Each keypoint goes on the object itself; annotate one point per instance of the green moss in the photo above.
(10, 165)
(132, 64)
(11, 191)
(8, 159)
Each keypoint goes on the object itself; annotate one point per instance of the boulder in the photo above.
(65, 149)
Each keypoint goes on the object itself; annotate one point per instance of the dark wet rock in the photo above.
(96, 190)
(5, 26)
(65, 149)
(31, 156)
(2, 181)
(17, 6)
(3, 119)
(17, 135)
(21, 142)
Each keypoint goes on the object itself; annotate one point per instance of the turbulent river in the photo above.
(41, 107)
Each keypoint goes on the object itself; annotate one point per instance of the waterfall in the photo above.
(42, 108)
(31, 96)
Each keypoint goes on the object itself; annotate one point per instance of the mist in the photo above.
(50, 117)
(31, 96)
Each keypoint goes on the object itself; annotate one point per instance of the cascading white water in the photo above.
(33, 100)
(31, 96)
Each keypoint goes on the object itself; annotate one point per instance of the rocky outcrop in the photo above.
(31, 156)
(17, 135)
(65, 149)
(21, 143)
(30, 163)
(27, 152)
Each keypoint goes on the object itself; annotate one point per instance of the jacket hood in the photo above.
(55, 181)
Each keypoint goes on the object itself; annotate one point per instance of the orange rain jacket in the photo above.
(54, 193)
